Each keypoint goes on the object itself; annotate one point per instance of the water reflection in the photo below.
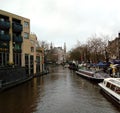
(61, 91)
(21, 99)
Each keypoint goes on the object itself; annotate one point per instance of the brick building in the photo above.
(17, 45)
(114, 48)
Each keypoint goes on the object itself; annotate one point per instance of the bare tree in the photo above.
(94, 50)
(97, 46)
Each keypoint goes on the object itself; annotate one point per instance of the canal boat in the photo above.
(92, 75)
(111, 89)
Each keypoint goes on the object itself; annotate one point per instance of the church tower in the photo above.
(65, 48)
(64, 53)
(51, 46)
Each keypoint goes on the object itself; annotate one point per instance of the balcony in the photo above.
(15, 50)
(4, 24)
(39, 49)
(5, 37)
(17, 27)
(4, 45)
(17, 39)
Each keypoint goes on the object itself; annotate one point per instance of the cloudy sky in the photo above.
(60, 21)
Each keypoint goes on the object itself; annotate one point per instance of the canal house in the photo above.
(18, 47)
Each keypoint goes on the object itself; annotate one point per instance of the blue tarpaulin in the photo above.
(101, 64)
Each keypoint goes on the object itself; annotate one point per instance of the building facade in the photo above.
(17, 45)
(60, 53)
(114, 48)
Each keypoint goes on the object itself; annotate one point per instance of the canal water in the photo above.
(60, 91)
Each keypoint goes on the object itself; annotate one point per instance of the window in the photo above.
(112, 87)
(17, 59)
(118, 90)
(31, 64)
(37, 64)
(4, 58)
(26, 35)
(17, 46)
(1, 57)
(108, 85)
(26, 24)
(32, 49)
(27, 63)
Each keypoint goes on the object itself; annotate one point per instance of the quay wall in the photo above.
(12, 76)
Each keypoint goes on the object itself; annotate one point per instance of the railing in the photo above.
(5, 37)
(4, 24)
(17, 27)
(17, 39)
(17, 50)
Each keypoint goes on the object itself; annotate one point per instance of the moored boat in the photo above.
(92, 75)
(111, 89)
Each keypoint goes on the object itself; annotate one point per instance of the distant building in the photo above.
(114, 48)
(17, 46)
(60, 53)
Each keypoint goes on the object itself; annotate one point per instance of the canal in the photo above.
(60, 91)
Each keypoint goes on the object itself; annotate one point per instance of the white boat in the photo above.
(92, 75)
(111, 88)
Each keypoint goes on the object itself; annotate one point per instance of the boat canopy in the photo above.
(101, 64)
